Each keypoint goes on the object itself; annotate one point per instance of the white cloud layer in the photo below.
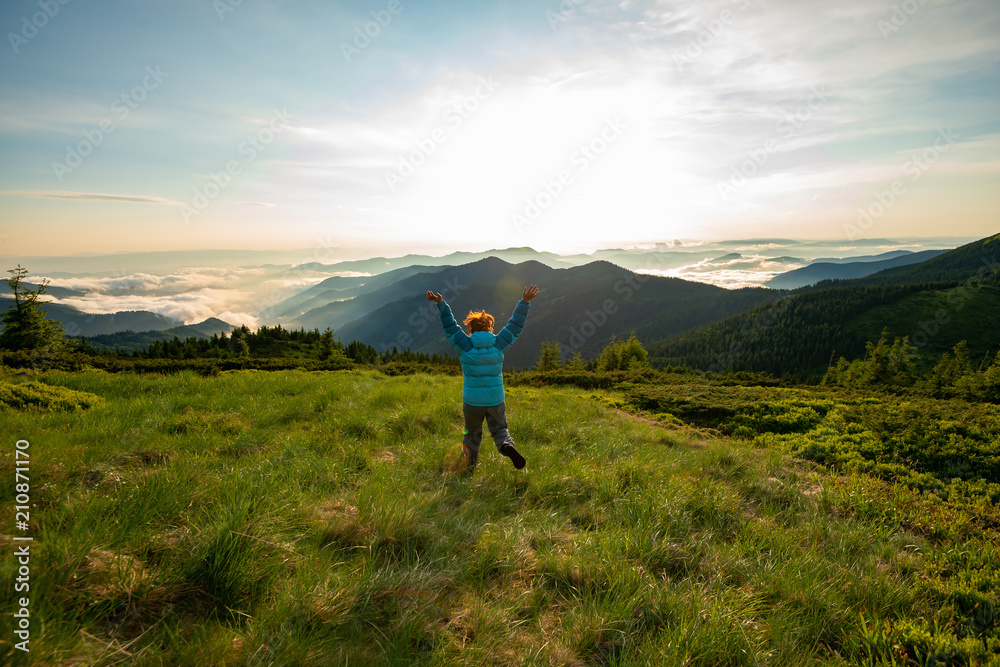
(745, 271)
(188, 308)
(235, 294)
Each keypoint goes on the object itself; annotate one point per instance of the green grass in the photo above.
(297, 518)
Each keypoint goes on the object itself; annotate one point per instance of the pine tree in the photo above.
(577, 363)
(611, 357)
(990, 388)
(623, 355)
(633, 354)
(549, 360)
(25, 326)
(326, 344)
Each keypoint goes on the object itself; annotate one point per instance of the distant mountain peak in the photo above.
(490, 261)
(214, 322)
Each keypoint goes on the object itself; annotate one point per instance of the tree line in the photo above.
(794, 335)
(891, 365)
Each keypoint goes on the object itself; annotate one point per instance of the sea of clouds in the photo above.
(235, 295)
(744, 271)
(238, 295)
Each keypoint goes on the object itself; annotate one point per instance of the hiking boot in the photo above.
(515, 458)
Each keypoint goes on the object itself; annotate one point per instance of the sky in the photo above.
(403, 126)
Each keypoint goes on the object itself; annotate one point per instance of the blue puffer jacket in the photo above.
(482, 355)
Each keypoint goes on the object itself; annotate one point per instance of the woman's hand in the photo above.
(437, 298)
(530, 293)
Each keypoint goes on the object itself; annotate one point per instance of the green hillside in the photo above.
(313, 519)
(129, 341)
(937, 304)
(936, 320)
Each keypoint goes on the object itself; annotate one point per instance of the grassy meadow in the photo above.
(313, 518)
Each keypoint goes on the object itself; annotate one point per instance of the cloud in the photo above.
(151, 284)
(744, 271)
(92, 196)
(238, 319)
(255, 203)
(189, 308)
(232, 294)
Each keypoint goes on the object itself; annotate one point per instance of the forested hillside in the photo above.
(974, 261)
(133, 341)
(936, 304)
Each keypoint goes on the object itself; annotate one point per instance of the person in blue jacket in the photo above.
(481, 354)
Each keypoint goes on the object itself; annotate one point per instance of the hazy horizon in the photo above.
(358, 252)
(240, 289)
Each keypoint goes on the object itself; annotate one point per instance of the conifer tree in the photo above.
(549, 360)
(25, 326)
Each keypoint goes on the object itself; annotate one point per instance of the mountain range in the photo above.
(935, 297)
(936, 303)
(581, 308)
(840, 270)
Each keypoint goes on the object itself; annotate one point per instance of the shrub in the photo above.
(34, 394)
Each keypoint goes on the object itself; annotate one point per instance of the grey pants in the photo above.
(496, 420)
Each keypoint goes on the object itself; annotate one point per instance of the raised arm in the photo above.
(452, 331)
(515, 324)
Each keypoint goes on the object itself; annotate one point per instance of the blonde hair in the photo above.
(479, 320)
